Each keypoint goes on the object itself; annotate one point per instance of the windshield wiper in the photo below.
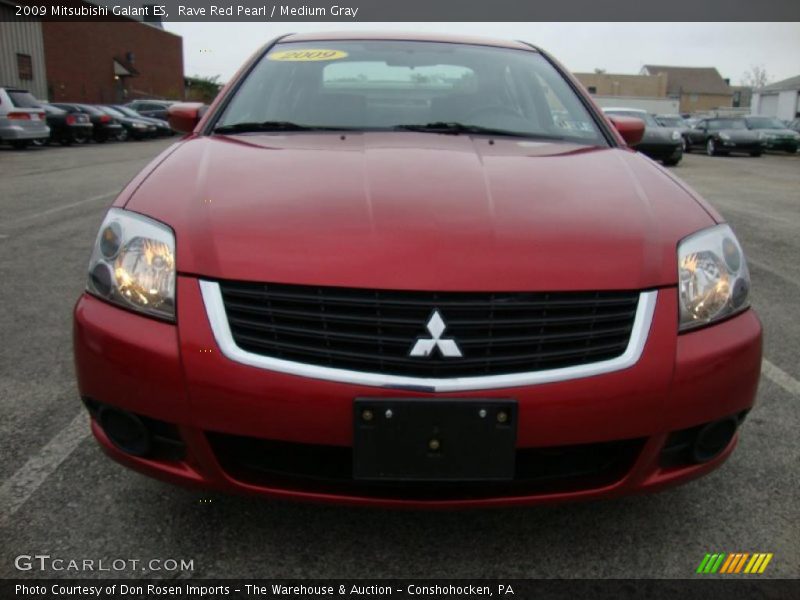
(245, 127)
(455, 128)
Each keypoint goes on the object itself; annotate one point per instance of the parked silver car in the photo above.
(22, 119)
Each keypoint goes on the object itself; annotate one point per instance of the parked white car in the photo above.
(22, 119)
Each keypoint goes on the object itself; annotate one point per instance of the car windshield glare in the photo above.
(408, 85)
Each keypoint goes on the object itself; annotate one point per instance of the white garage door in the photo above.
(768, 105)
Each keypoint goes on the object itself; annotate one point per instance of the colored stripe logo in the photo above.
(733, 563)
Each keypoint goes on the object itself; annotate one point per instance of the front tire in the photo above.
(756, 153)
(671, 162)
(19, 144)
(122, 135)
(711, 147)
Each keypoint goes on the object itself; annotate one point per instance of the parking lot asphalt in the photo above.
(60, 496)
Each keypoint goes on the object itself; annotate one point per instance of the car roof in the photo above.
(332, 36)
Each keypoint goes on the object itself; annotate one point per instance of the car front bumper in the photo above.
(740, 146)
(241, 428)
(785, 145)
(662, 151)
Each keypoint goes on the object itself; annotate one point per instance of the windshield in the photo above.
(23, 99)
(727, 124)
(672, 122)
(111, 111)
(386, 85)
(127, 112)
(647, 118)
(764, 123)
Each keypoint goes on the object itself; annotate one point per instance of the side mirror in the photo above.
(184, 116)
(630, 128)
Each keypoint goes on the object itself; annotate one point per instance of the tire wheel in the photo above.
(684, 145)
(39, 142)
(711, 147)
(79, 138)
(19, 144)
(671, 162)
(65, 141)
(122, 135)
(756, 154)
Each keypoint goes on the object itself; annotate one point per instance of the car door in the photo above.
(697, 135)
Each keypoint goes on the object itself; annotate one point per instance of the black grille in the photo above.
(328, 469)
(374, 330)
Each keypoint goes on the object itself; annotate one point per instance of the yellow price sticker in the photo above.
(307, 55)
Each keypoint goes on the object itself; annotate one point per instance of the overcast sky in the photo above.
(733, 48)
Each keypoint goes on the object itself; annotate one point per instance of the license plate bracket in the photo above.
(410, 439)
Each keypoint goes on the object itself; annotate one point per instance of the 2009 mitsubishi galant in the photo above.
(418, 271)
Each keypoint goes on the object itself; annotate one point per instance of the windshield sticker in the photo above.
(307, 55)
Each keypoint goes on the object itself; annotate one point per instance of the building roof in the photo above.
(793, 83)
(691, 80)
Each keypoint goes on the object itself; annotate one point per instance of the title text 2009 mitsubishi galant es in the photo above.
(414, 271)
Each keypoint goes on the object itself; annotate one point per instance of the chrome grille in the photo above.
(373, 330)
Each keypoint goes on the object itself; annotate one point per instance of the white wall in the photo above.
(23, 37)
(783, 105)
(787, 104)
(659, 106)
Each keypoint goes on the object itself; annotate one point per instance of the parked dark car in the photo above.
(133, 128)
(776, 135)
(105, 127)
(67, 128)
(676, 122)
(659, 143)
(721, 136)
(162, 127)
(151, 108)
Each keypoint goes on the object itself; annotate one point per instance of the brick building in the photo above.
(111, 62)
(77, 61)
(612, 84)
(699, 88)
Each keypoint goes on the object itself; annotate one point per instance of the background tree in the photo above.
(756, 77)
(202, 89)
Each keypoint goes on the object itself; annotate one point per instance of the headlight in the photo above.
(676, 135)
(713, 279)
(140, 126)
(133, 264)
(724, 136)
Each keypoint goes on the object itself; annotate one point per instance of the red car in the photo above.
(414, 271)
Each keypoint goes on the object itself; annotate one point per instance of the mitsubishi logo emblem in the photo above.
(447, 346)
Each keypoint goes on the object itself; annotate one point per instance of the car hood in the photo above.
(406, 210)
